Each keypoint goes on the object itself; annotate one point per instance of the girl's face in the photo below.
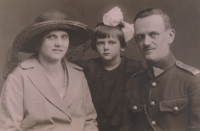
(54, 45)
(109, 48)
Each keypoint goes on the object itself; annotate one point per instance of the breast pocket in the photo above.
(135, 105)
(173, 106)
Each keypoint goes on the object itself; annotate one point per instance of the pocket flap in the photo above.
(174, 105)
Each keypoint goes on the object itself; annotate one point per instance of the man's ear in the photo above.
(171, 35)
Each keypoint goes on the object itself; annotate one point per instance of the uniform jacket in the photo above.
(29, 101)
(170, 95)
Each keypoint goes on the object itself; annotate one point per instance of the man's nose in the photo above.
(147, 40)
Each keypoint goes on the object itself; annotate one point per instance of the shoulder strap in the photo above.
(188, 68)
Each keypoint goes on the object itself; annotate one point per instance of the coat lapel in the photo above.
(41, 81)
(75, 82)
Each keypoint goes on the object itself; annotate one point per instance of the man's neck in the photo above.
(162, 65)
(154, 63)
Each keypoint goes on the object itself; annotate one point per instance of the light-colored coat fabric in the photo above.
(30, 102)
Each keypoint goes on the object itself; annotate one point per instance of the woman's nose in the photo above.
(58, 42)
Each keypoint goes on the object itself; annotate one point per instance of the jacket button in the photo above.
(153, 84)
(134, 107)
(153, 123)
(152, 103)
(175, 108)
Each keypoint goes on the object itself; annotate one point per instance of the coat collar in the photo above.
(41, 81)
(74, 80)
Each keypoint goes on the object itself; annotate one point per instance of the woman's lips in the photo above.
(57, 50)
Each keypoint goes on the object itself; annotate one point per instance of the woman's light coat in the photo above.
(30, 102)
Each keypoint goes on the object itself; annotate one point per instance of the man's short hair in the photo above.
(154, 11)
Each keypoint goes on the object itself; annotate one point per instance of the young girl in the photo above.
(107, 74)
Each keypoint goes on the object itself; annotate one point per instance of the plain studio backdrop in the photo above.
(15, 15)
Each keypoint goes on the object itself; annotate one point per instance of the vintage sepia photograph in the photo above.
(99, 65)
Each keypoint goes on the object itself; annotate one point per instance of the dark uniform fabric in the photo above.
(107, 89)
(169, 91)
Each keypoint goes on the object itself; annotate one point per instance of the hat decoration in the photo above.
(115, 17)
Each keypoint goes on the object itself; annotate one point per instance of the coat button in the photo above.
(134, 107)
(153, 123)
(152, 103)
(153, 84)
(175, 108)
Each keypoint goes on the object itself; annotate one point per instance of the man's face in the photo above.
(152, 37)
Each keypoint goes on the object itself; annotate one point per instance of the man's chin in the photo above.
(149, 59)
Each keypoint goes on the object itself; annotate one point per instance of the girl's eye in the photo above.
(99, 43)
(112, 42)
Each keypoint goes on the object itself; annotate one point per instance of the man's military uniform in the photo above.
(165, 97)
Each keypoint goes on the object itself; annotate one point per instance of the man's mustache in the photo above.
(146, 48)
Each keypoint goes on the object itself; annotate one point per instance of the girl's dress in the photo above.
(108, 88)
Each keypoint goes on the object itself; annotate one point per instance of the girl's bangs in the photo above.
(108, 32)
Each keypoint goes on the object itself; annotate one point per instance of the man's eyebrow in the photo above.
(139, 34)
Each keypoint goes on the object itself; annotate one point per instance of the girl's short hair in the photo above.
(104, 31)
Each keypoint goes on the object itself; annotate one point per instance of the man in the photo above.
(165, 96)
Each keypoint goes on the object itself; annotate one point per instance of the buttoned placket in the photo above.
(152, 101)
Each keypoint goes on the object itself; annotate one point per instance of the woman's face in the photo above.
(54, 46)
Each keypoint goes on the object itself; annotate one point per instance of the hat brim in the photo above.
(80, 34)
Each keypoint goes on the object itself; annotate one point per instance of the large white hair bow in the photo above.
(115, 17)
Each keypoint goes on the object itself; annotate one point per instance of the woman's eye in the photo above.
(51, 37)
(64, 36)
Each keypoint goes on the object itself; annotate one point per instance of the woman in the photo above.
(46, 92)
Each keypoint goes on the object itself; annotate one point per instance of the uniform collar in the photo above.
(163, 65)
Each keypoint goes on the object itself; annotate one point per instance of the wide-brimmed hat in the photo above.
(79, 33)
